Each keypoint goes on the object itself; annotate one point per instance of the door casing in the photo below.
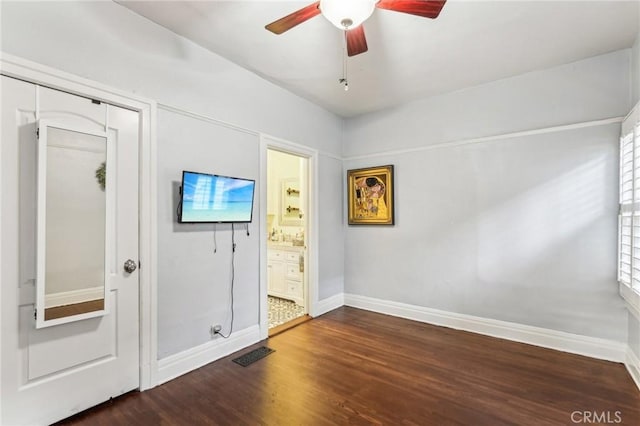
(311, 236)
(15, 67)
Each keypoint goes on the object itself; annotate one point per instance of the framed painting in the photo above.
(370, 196)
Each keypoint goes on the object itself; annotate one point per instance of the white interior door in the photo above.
(53, 372)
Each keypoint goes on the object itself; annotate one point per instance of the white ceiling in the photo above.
(409, 57)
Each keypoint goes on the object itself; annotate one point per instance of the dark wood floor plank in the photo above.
(357, 367)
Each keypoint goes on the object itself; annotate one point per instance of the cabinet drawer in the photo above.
(292, 272)
(292, 257)
(295, 289)
(275, 255)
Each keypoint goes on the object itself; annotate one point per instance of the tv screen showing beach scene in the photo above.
(216, 199)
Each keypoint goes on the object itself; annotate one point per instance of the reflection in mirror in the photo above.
(74, 224)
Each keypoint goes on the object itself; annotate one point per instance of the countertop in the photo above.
(287, 246)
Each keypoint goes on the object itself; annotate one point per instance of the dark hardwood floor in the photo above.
(356, 367)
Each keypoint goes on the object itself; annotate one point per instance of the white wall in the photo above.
(635, 71)
(592, 89)
(331, 224)
(106, 42)
(634, 334)
(194, 281)
(520, 229)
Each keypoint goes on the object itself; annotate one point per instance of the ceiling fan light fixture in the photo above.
(346, 14)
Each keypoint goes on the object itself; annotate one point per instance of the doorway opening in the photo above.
(287, 231)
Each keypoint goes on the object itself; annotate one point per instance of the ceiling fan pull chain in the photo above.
(344, 81)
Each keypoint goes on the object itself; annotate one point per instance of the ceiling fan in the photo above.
(348, 15)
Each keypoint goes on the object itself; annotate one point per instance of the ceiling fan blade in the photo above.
(424, 8)
(356, 41)
(297, 17)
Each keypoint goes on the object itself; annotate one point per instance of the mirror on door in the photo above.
(72, 223)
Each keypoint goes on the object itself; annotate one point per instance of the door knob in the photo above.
(130, 266)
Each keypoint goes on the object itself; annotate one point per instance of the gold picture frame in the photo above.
(370, 196)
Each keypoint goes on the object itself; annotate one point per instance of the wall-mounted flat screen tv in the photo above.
(215, 199)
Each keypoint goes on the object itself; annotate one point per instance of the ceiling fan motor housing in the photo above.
(346, 14)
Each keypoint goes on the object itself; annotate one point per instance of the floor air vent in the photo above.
(253, 356)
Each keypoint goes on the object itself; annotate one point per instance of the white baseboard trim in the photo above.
(73, 296)
(559, 340)
(329, 304)
(183, 362)
(632, 362)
